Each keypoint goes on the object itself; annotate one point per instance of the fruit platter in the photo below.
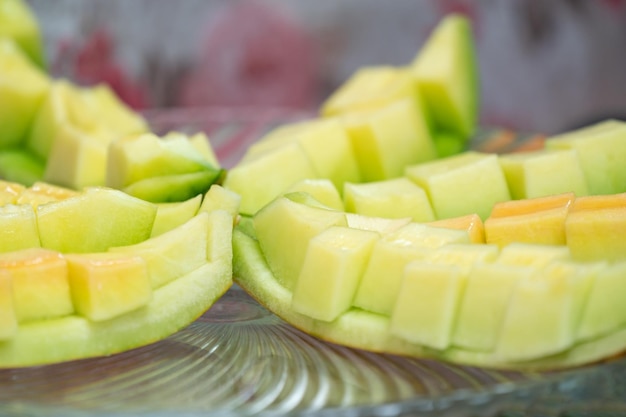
(384, 255)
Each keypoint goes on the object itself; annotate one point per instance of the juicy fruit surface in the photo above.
(109, 299)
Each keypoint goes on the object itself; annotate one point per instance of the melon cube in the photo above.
(382, 225)
(387, 139)
(605, 310)
(471, 182)
(18, 227)
(322, 189)
(393, 198)
(544, 311)
(107, 285)
(426, 308)
(40, 283)
(382, 279)
(488, 291)
(219, 198)
(333, 265)
(539, 220)
(471, 223)
(601, 149)
(42, 192)
(595, 228)
(543, 173)
(285, 227)
(530, 254)
(258, 181)
(370, 88)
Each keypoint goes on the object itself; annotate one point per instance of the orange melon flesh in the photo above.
(472, 223)
(40, 286)
(538, 220)
(42, 192)
(595, 228)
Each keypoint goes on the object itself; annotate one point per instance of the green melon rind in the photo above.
(365, 330)
(172, 307)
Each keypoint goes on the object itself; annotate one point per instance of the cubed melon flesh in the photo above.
(169, 188)
(605, 310)
(539, 220)
(106, 285)
(333, 265)
(595, 228)
(601, 149)
(381, 225)
(387, 139)
(43, 192)
(258, 181)
(471, 182)
(18, 227)
(471, 223)
(427, 304)
(544, 312)
(322, 189)
(394, 198)
(40, 283)
(543, 173)
(370, 88)
(382, 279)
(488, 292)
(219, 198)
(284, 228)
(532, 254)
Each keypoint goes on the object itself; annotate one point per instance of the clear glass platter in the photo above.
(239, 359)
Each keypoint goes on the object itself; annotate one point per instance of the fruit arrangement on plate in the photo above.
(374, 225)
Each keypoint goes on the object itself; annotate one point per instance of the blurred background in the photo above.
(545, 66)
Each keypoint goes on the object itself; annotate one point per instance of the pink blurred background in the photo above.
(545, 66)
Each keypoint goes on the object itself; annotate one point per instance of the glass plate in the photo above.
(239, 359)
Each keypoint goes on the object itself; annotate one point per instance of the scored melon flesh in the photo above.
(471, 223)
(366, 330)
(41, 288)
(219, 198)
(18, 227)
(170, 188)
(382, 279)
(544, 311)
(42, 192)
(94, 221)
(381, 225)
(333, 265)
(284, 228)
(605, 311)
(394, 198)
(471, 182)
(427, 304)
(10, 192)
(530, 254)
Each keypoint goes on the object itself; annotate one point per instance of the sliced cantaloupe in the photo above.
(533, 220)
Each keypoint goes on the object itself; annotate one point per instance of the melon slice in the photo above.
(10, 192)
(322, 189)
(18, 227)
(173, 214)
(43, 192)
